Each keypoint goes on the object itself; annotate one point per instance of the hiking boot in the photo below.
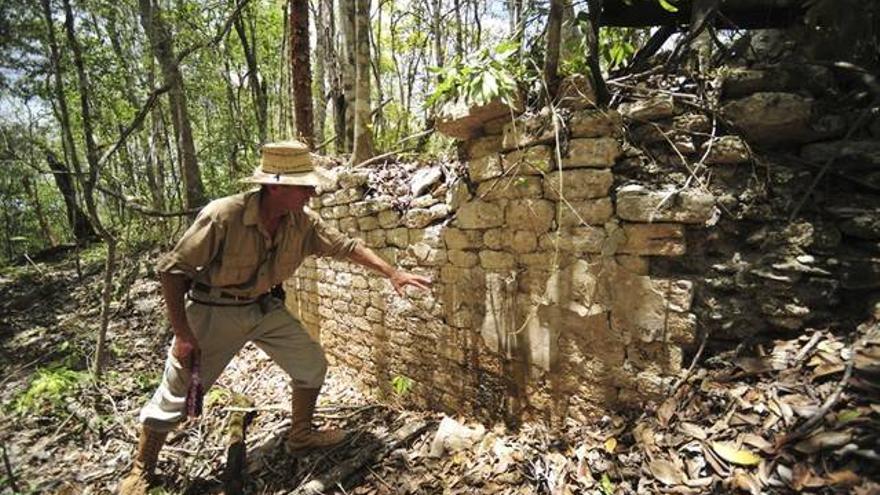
(138, 480)
(301, 435)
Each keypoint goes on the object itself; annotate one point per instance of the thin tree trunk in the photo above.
(348, 66)
(551, 57)
(76, 217)
(32, 191)
(595, 13)
(89, 187)
(363, 133)
(258, 87)
(320, 70)
(459, 36)
(163, 50)
(301, 71)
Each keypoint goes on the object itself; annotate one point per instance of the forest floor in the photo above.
(781, 416)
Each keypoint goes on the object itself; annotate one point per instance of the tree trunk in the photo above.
(335, 93)
(79, 222)
(320, 92)
(258, 87)
(347, 66)
(363, 132)
(459, 27)
(551, 57)
(595, 12)
(301, 71)
(163, 50)
(32, 191)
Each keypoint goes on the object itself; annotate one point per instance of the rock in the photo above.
(388, 219)
(462, 239)
(424, 201)
(462, 121)
(743, 82)
(848, 155)
(574, 240)
(453, 436)
(597, 152)
(511, 188)
(368, 223)
(464, 259)
(529, 131)
(534, 215)
(398, 237)
(479, 215)
(864, 226)
(727, 150)
(424, 179)
(770, 118)
(534, 160)
(484, 168)
(638, 204)
(352, 179)
(655, 108)
(658, 239)
(589, 212)
(578, 184)
(370, 207)
(418, 218)
(480, 147)
(342, 197)
(576, 92)
(457, 194)
(595, 123)
(496, 260)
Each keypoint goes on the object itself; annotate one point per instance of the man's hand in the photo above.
(185, 348)
(400, 279)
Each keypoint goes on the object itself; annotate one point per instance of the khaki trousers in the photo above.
(221, 332)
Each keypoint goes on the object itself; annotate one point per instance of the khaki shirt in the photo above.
(227, 247)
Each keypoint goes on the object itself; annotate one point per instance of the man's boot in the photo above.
(138, 480)
(301, 435)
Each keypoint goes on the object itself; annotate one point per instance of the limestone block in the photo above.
(497, 239)
(482, 146)
(389, 219)
(426, 255)
(423, 201)
(774, 118)
(586, 212)
(425, 179)
(360, 295)
(334, 212)
(432, 236)
(460, 120)
(639, 204)
(523, 241)
(368, 223)
(479, 215)
(398, 237)
(332, 223)
(342, 196)
(578, 184)
(495, 127)
(370, 207)
(592, 152)
(349, 225)
(533, 160)
(496, 260)
(658, 239)
(849, 154)
(462, 258)
(684, 144)
(389, 254)
(726, 150)
(664, 359)
(340, 306)
(499, 326)
(655, 108)
(528, 131)
(457, 194)
(576, 92)
(353, 178)
(595, 123)
(462, 239)
(577, 240)
(485, 167)
(638, 265)
(535, 215)
(650, 310)
(742, 82)
(462, 318)
(418, 218)
(461, 278)
(359, 282)
(510, 187)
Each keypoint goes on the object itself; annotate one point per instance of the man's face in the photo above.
(292, 198)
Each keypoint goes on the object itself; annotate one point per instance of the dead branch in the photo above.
(150, 212)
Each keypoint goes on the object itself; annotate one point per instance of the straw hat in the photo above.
(288, 163)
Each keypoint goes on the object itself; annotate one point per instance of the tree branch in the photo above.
(220, 34)
(150, 212)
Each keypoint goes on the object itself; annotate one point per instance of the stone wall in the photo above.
(543, 304)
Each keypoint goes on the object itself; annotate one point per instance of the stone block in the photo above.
(342, 196)
(368, 223)
(578, 184)
(460, 120)
(592, 152)
(334, 212)
(535, 215)
(528, 131)
(533, 160)
(464, 259)
(523, 241)
(388, 219)
(657, 239)
(742, 82)
(585, 212)
(574, 240)
(726, 150)
(496, 260)
(374, 315)
(654, 108)
(638, 204)
(348, 225)
(495, 127)
(849, 155)
(370, 207)
(576, 92)
(479, 215)
(482, 146)
(485, 167)
(462, 239)
(457, 194)
(510, 188)
(595, 123)
(499, 326)
(424, 201)
(426, 255)
(398, 237)
(353, 178)
(771, 118)
(418, 218)
(637, 265)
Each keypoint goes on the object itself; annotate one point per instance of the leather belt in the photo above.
(212, 292)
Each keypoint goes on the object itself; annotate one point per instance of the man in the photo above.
(226, 264)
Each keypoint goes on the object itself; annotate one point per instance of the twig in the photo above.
(8, 466)
(150, 212)
(805, 428)
(693, 365)
(806, 348)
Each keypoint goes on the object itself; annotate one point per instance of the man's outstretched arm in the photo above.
(365, 256)
(174, 287)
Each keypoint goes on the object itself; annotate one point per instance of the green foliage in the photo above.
(401, 385)
(668, 5)
(48, 389)
(606, 485)
(489, 74)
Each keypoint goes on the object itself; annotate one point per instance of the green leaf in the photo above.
(668, 6)
(606, 485)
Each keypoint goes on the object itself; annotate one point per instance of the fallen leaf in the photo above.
(666, 411)
(736, 456)
(844, 477)
(666, 472)
(848, 415)
(693, 430)
(757, 442)
(610, 445)
(746, 482)
(823, 440)
(804, 477)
